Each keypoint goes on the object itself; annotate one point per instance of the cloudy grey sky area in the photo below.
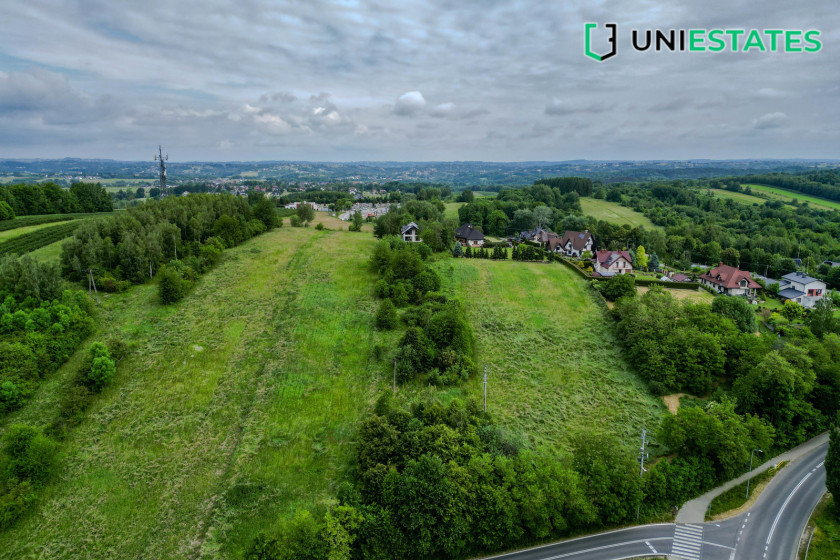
(411, 80)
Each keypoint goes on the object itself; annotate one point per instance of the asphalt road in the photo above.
(769, 531)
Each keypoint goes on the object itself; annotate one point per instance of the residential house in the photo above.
(680, 277)
(539, 235)
(573, 243)
(730, 281)
(801, 288)
(469, 236)
(411, 233)
(612, 263)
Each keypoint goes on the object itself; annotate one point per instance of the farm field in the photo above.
(12, 233)
(614, 213)
(554, 366)
(49, 253)
(786, 195)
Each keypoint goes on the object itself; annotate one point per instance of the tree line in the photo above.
(49, 198)
(183, 236)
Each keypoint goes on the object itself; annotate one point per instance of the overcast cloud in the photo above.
(408, 80)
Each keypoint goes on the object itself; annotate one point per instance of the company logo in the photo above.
(707, 40)
(588, 42)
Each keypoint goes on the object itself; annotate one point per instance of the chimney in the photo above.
(720, 263)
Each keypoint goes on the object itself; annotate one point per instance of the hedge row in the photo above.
(674, 285)
(40, 238)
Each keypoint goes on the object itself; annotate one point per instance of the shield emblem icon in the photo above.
(588, 42)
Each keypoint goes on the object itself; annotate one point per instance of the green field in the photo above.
(452, 209)
(48, 253)
(614, 212)
(554, 366)
(239, 404)
(737, 196)
(785, 196)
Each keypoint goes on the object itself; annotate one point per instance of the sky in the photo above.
(407, 80)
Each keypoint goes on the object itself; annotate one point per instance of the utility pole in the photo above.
(750, 478)
(642, 457)
(161, 158)
(485, 388)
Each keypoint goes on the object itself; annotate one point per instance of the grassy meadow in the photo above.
(614, 212)
(737, 196)
(554, 365)
(239, 404)
(785, 195)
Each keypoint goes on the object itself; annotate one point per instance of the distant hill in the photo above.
(455, 173)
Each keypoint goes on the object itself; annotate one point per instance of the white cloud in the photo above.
(410, 103)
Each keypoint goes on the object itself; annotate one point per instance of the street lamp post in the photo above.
(750, 478)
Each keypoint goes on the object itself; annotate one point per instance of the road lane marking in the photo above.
(784, 505)
(595, 535)
(605, 547)
(650, 546)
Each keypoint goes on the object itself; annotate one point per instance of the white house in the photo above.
(801, 288)
(611, 263)
(411, 233)
(730, 281)
(573, 243)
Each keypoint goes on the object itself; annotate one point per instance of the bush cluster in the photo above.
(36, 337)
(27, 459)
(793, 382)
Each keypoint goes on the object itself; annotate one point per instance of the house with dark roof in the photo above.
(573, 243)
(410, 233)
(801, 288)
(680, 277)
(612, 263)
(730, 281)
(467, 235)
(539, 235)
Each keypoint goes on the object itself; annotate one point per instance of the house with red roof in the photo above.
(730, 281)
(611, 263)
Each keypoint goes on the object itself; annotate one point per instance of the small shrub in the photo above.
(386, 315)
(100, 368)
(319, 226)
(295, 221)
(30, 455)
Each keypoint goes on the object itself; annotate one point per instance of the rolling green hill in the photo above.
(614, 212)
(239, 404)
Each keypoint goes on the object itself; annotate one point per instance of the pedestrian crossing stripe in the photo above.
(688, 542)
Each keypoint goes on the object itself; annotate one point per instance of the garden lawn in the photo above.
(237, 405)
(614, 213)
(555, 368)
